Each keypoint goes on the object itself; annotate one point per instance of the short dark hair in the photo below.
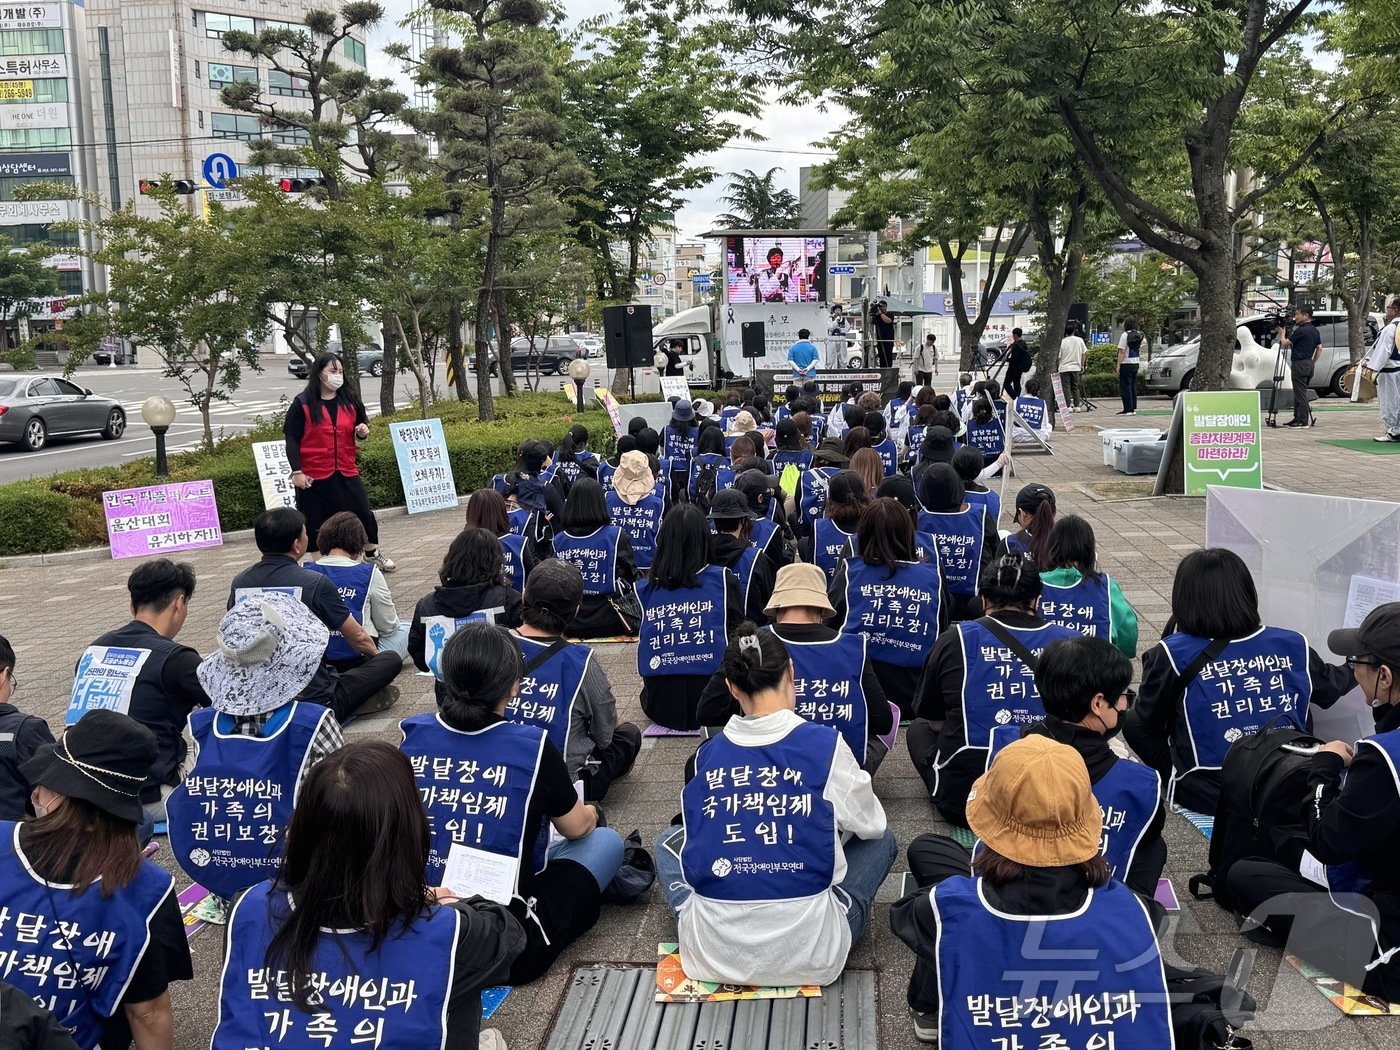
(1016, 332)
(885, 533)
(803, 333)
(474, 557)
(1072, 546)
(1303, 308)
(999, 871)
(1072, 671)
(968, 463)
(343, 530)
(276, 531)
(155, 584)
(7, 654)
(1213, 595)
(586, 508)
(1032, 387)
(486, 509)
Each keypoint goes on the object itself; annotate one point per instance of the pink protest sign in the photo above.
(159, 519)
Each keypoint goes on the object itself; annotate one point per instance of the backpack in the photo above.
(1263, 788)
(705, 485)
(1134, 341)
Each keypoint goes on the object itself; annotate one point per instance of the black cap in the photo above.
(898, 487)
(874, 422)
(1378, 636)
(755, 483)
(555, 586)
(937, 446)
(731, 503)
(1032, 496)
(785, 434)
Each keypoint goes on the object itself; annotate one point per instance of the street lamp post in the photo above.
(578, 372)
(159, 412)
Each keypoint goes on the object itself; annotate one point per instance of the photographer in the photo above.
(883, 323)
(1305, 344)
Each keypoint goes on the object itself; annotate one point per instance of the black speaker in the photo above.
(755, 341)
(615, 335)
(1080, 312)
(639, 337)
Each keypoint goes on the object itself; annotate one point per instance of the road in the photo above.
(264, 395)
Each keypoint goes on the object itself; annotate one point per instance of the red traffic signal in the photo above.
(150, 186)
(300, 185)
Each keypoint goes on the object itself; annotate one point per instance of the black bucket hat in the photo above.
(103, 759)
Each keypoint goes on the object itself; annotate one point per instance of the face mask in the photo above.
(334, 380)
(1109, 734)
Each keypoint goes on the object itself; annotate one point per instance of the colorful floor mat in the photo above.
(1199, 821)
(656, 730)
(674, 986)
(1351, 1001)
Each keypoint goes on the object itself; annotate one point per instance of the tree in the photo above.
(759, 204)
(168, 291)
(1145, 290)
(24, 277)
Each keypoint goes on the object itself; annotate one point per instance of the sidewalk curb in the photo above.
(89, 554)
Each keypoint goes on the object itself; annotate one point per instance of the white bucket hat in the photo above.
(270, 647)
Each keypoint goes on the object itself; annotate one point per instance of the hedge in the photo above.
(64, 511)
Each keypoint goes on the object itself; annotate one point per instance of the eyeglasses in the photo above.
(1355, 661)
(1130, 695)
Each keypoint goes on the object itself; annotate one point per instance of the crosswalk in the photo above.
(238, 412)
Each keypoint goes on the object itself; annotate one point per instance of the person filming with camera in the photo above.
(1304, 344)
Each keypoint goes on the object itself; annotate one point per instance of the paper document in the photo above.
(474, 871)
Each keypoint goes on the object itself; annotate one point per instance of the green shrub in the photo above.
(35, 519)
(1104, 386)
(1101, 359)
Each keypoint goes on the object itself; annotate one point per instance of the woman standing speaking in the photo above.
(322, 425)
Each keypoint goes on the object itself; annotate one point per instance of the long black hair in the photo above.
(682, 548)
(355, 856)
(755, 660)
(480, 666)
(311, 394)
(586, 508)
(711, 440)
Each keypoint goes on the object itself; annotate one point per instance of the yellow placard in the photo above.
(16, 90)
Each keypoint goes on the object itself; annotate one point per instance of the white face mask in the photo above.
(334, 380)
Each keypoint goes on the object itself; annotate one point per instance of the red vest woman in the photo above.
(322, 425)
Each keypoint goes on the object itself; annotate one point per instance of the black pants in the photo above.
(1302, 383)
(1127, 386)
(884, 349)
(332, 495)
(932, 858)
(1300, 915)
(360, 683)
(565, 902)
(614, 761)
(923, 378)
(1013, 381)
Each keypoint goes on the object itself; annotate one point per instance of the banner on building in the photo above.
(34, 115)
(37, 211)
(34, 67)
(30, 16)
(16, 90)
(160, 519)
(13, 164)
(424, 467)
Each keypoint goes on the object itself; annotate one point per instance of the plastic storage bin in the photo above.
(1125, 434)
(1138, 455)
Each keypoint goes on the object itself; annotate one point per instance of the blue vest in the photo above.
(1019, 987)
(799, 458)
(989, 499)
(679, 444)
(998, 689)
(830, 690)
(1031, 410)
(513, 561)
(226, 818)
(897, 614)
(641, 521)
(811, 493)
(605, 474)
(727, 414)
(396, 995)
(988, 438)
(889, 455)
(708, 462)
(476, 788)
(548, 693)
(757, 827)
(685, 630)
(595, 555)
(352, 581)
(498, 482)
(743, 569)
(1355, 877)
(828, 541)
(519, 520)
(582, 464)
(1252, 681)
(961, 396)
(959, 536)
(1082, 607)
(436, 632)
(49, 934)
(913, 443)
(724, 477)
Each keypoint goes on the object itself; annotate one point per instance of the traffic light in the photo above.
(301, 185)
(150, 186)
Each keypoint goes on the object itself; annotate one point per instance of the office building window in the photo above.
(196, 69)
(222, 73)
(201, 120)
(31, 42)
(217, 25)
(36, 138)
(243, 126)
(272, 23)
(279, 83)
(44, 91)
(10, 184)
(33, 233)
(70, 283)
(354, 51)
(291, 136)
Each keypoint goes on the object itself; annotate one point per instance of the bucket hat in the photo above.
(104, 759)
(1034, 805)
(269, 648)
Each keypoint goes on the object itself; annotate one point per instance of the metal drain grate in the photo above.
(614, 1008)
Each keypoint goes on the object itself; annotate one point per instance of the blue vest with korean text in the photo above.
(352, 581)
(605, 474)
(998, 689)
(913, 443)
(811, 493)
(989, 499)
(519, 520)
(74, 955)
(799, 458)
(889, 455)
(1089, 979)
(743, 569)
(898, 614)
(583, 464)
(959, 536)
(395, 995)
(513, 561)
(987, 438)
(475, 787)
(828, 541)
(437, 630)
(547, 693)
(1031, 410)
(684, 630)
(757, 826)
(828, 677)
(595, 554)
(1082, 606)
(678, 444)
(641, 521)
(226, 818)
(1252, 681)
(705, 462)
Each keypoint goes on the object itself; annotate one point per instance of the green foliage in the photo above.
(23, 278)
(65, 510)
(759, 204)
(1099, 385)
(1101, 360)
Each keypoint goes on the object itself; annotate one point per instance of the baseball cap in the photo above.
(730, 503)
(555, 586)
(755, 483)
(1378, 636)
(1032, 496)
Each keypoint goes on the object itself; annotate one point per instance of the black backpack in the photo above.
(1134, 340)
(705, 477)
(1263, 788)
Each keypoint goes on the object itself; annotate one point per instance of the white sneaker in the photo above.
(385, 563)
(491, 1039)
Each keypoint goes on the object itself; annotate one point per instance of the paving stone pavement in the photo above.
(53, 611)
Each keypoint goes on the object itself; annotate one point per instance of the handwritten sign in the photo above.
(675, 386)
(274, 474)
(161, 519)
(614, 409)
(424, 467)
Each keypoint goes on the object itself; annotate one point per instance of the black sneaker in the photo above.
(925, 1027)
(1297, 423)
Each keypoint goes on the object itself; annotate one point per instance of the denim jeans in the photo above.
(1127, 386)
(600, 851)
(868, 862)
(397, 642)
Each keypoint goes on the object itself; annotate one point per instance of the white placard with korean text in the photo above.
(30, 16)
(274, 474)
(34, 67)
(424, 467)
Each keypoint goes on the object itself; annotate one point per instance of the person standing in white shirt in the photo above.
(1384, 360)
(1072, 351)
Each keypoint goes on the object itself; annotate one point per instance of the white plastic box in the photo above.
(1125, 434)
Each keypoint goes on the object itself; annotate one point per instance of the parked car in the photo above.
(1173, 367)
(36, 408)
(554, 354)
(370, 360)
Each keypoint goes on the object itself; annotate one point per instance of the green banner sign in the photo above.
(1220, 440)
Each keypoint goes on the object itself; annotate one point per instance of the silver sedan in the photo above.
(36, 408)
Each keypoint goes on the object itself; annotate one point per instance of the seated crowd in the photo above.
(798, 585)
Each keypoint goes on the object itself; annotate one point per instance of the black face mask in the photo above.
(1109, 734)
